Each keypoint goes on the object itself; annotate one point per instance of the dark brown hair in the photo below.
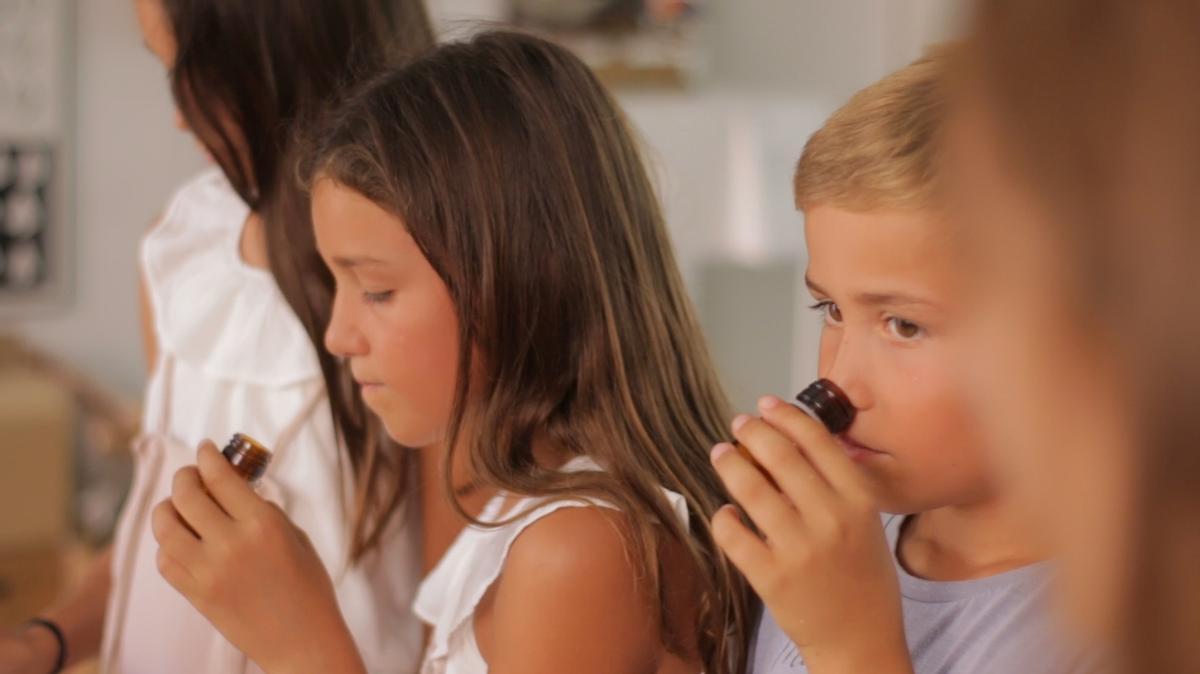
(1097, 107)
(517, 176)
(247, 76)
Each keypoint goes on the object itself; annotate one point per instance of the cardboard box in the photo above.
(36, 429)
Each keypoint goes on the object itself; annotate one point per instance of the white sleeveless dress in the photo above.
(234, 358)
(448, 596)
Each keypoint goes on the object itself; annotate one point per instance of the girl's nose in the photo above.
(341, 339)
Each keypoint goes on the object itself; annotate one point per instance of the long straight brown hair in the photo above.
(517, 176)
(247, 76)
(1098, 106)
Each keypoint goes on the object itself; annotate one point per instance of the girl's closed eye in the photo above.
(379, 297)
(829, 310)
(904, 329)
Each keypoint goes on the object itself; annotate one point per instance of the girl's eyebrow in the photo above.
(359, 261)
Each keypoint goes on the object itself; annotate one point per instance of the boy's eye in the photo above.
(905, 330)
(830, 311)
(377, 298)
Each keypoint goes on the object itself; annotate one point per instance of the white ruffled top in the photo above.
(448, 596)
(234, 358)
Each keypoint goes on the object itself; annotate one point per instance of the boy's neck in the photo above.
(965, 542)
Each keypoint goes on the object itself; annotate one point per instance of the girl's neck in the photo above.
(965, 542)
(440, 522)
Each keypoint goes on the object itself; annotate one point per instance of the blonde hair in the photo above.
(879, 150)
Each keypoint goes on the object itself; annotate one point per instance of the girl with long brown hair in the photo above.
(1077, 156)
(507, 298)
(233, 333)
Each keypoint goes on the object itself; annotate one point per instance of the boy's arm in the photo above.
(822, 564)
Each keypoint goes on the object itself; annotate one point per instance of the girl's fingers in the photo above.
(761, 501)
(779, 457)
(822, 450)
(177, 575)
(746, 550)
(196, 506)
(173, 536)
(228, 489)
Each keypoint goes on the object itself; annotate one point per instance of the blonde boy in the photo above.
(946, 581)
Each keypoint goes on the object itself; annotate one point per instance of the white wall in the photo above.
(768, 58)
(128, 157)
(828, 47)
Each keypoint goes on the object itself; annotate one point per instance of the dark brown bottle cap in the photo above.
(247, 456)
(827, 403)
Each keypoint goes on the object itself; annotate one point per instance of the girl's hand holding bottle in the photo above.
(239, 560)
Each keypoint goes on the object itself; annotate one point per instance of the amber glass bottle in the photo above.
(247, 456)
(825, 402)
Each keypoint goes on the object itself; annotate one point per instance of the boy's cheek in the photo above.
(929, 465)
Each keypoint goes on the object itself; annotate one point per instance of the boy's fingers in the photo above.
(746, 550)
(822, 450)
(778, 456)
(228, 489)
(770, 510)
(195, 505)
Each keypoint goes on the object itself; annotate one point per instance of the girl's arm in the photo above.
(255, 575)
(34, 649)
(822, 565)
(146, 314)
(568, 600)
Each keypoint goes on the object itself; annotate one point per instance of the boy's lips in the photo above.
(857, 451)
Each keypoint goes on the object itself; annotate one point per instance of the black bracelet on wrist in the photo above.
(58, 636)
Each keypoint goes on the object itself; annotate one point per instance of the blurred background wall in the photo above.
(721, 149)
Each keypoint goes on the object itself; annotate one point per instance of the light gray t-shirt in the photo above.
(996, 624)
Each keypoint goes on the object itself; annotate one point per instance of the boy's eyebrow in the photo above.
(891, 300)
(814, 287)
(874, 299)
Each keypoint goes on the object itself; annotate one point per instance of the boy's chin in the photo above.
(899, 500)
(897, 497)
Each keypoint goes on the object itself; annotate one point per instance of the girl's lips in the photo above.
(857, 452)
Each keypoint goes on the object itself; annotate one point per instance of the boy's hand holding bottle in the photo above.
(820, 560)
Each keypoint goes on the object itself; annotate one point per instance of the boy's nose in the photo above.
(846, 369)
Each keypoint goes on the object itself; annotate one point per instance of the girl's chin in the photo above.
(405, 435)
